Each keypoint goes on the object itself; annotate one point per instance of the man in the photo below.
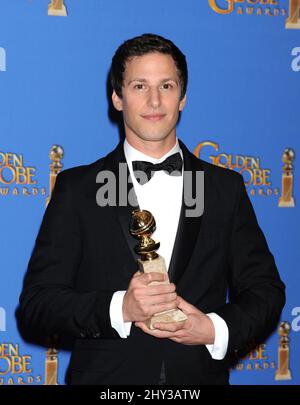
(83, 278)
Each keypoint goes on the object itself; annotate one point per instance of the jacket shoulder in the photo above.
(222, 174)
(80, 174)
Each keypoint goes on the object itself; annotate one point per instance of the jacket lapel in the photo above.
(123, 212)
(188, 227)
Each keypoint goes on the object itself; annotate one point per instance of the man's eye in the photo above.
(167, 86)
(139, 86)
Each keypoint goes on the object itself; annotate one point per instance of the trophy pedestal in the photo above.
(62, 12)
(286, 204)
(283, 377)
(51, 367)
(174, 315)
(286, 199)
(291, 25)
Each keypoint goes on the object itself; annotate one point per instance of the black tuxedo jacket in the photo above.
(84, 253)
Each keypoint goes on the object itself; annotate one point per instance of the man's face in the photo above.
(150, 103)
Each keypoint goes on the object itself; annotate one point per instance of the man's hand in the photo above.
(142, 300)
(198, 329)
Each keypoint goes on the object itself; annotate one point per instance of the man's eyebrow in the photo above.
(141, 80)
(137, 79)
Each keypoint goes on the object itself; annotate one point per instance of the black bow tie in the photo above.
(172, 165)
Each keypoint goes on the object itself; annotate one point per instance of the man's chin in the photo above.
(154, 137)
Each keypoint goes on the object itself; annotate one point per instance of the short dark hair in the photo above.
(141, 45)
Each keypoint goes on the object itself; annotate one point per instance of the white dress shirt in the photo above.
(162, 196)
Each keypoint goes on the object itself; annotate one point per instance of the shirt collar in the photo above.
(132, 153)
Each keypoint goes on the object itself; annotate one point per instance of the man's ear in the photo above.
(117, 101)
(182, 103)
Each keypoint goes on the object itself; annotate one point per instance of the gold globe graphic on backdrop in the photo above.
(56, 153)
(284, 329)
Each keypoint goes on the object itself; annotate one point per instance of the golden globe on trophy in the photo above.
(283, 371)
(142, 226)
(57, 8)
(287, 199)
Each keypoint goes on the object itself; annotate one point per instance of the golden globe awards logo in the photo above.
(15, 368)
(16, 178)
(257, 177)
(272, 8)
(257, 359)
(249, 7)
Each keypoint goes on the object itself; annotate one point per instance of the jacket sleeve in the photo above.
(257, 294)
(49, 300)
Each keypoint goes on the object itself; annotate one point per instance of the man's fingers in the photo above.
(170, 326)
(185, 306)
(160, 289)
(161, 298)
(154, 332)
(154, 276)
(163, 307)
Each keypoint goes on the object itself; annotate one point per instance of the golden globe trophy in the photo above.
(287, 199)
(142, 226)
(51, 366)
(283, 372)
(56, 154)
(293, 20)
(57, 8)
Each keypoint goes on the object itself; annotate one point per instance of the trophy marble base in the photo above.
(286, 204)
(174, 315)
(283, 377)
(57, 12)
(290, 25)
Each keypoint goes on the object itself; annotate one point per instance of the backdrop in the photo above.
(243, 98)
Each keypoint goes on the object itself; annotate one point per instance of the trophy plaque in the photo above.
(287, 199)
(57, 8)
(283, 372)
(141, 227)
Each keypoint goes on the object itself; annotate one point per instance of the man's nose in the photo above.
(154, 98)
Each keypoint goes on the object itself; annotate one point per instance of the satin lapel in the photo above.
(188, 227)
(123, 211)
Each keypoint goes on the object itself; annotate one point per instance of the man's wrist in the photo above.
(211, 335)
(124, 311)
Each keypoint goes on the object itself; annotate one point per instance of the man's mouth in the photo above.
(153, 117)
